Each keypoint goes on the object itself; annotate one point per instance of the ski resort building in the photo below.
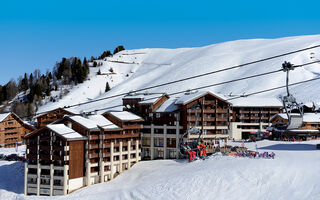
(12, 129)
(55, 155)
(77, 151)
(251, 115)
(165, 122)
(309, 127)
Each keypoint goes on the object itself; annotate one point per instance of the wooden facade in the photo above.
(12, 130)
(59, 164)
(52, 116)
(53, 162)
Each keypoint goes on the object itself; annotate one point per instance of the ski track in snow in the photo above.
(293, 174)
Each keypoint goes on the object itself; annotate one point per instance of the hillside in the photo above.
(135, 69)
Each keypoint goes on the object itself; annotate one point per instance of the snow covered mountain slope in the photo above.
(141, 68)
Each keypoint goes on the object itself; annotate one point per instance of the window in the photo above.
(157, 115)
(150, 114)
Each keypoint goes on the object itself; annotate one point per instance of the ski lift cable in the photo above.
(196, 76)
(241, 96)
(175, 93)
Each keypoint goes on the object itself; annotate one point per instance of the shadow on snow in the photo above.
(12, 177)
(291, 147)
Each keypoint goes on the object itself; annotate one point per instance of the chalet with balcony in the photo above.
(165, 125)
(252, 114)
(144, 103)
(13, 129)
(55, 161)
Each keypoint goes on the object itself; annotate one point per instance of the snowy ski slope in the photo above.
(135, 69)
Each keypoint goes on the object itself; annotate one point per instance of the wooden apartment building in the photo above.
(167, 119)
(12, 129)
(102, 150)
(252, 114)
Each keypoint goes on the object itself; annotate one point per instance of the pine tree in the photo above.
(118, 49)
(107, 87)
(111, 70)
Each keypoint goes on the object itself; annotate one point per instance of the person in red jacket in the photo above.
(202, 149)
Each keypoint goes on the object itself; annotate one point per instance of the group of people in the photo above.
(201, 150)
(254, 154)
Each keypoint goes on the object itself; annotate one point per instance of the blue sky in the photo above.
(37, 34)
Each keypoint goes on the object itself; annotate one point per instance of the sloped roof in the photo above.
(70, 110)
(193, 95)
(3, 116)
(103, 122)
(87, 123)
(307, 117)
(125, 116)
(147, 98)
(256, 102)
(168, 106)
(65, 132)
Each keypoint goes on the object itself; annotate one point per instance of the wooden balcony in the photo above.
(106, 154)
(255, 111)
(45, 147)
(254, 117)
(221, 111)
(44, 156)
(107, 145)
(93, 155)
(58, 148)
(119, 136)
(210, 102)
(94, 137)
(94, 146)
(220, 119)
(32, 156)
(56, 157)
(244, 117)
(135, 126)
(244, 111)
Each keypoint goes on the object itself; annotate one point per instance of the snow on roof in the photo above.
(125, 116)
(65, 131)
(311, 117)
(87, 123)
(70, 110)
(190, 96)
(303, 130)
(4, 116)
(103, 122)
(146, 98)
(168, 106)
(307, 117)
(256, 102)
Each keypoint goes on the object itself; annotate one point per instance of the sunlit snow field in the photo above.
(293, 174)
